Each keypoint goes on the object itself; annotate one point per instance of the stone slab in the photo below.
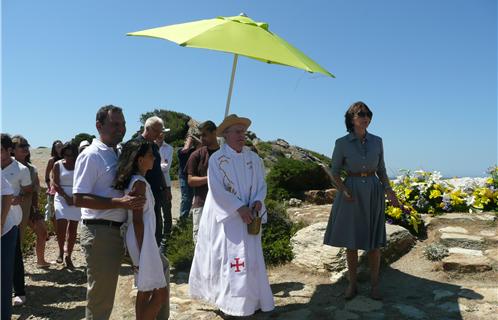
(469, 252)
(466, 264)
(453, 230)
(462, 240)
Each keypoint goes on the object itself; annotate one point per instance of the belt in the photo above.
(361, 174)
(102, 222)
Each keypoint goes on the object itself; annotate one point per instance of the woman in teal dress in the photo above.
(357, 217)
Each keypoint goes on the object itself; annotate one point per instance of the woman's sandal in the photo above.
(59, 259)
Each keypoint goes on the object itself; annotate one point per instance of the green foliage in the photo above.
(264, 149)
(290, 178)
(176, 121)
(277, 233)
(29, 240)
(175, 165)
(82, 136)
(326, 160)
(181, 246)
(436, 252)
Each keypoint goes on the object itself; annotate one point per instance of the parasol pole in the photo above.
(234, 67)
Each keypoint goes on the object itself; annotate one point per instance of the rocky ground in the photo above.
(463, 285)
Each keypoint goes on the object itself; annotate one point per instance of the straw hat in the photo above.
(231, 120)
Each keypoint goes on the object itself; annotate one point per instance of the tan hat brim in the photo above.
(231, 121)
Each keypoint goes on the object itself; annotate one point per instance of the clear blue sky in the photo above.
(426, 68)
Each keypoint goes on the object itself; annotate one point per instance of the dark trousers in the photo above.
(19, 287)
(159, 202)
(167, 223)
(187, 197)
(7, 264)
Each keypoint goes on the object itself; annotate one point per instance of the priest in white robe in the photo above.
(228, 269)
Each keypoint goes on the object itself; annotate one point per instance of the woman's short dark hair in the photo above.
(71, 146)
(104, 112)
(207, 125)
(352, 111)
(6, 141)
(53, 153)
(127, 163)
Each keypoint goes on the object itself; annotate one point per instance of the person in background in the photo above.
(20, 179)
(187, 192)
(55, 155)
(11, 216)
(66, 214)
(83, 145)
(29, 203)
(357, 218)
(197, 168)
(166, 153)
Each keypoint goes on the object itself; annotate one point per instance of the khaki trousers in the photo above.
(104, 248)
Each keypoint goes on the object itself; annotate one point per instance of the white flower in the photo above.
(470, 200)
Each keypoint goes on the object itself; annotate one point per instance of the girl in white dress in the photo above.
(135, 160)
(66, 214)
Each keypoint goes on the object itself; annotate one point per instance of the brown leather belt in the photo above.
(361, 174)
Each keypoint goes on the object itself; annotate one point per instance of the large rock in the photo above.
(462, 240)
(399, 242)
(466, 263)
(320, 196)
(310, 252)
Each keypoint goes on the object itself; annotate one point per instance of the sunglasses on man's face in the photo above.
(362, 114)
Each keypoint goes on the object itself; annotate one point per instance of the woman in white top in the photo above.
(66, 214)
(135, 160)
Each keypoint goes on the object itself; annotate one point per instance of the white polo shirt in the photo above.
(18, 176)
(94, 173)
(166, 152)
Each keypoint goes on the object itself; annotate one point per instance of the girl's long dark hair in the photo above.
(53, 153)
(127, 163)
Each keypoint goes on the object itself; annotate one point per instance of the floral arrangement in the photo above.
(426, 192)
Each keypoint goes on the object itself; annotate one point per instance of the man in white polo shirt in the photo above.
(103, 211)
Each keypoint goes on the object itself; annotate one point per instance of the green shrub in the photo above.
(175, 165)
(29, 240)
(277, 233)
(264, 149)
(181, 246)
(290, 178)
(82, 136)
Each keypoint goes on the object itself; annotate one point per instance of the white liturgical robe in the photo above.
(228, 269)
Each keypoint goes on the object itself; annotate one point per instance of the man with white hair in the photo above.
(228, 269)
